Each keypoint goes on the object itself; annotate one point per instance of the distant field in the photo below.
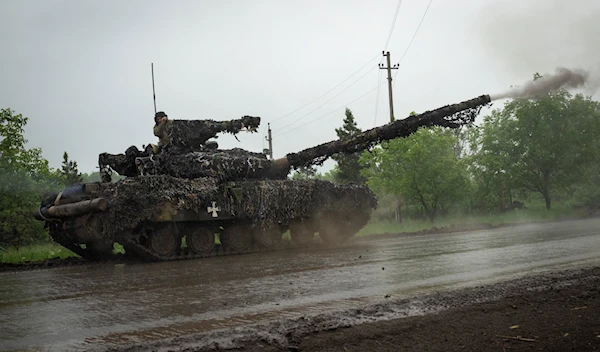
(512, 217)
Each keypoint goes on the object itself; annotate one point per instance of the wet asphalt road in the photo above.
(85, 307)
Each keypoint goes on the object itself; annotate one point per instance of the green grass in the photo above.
(35, 252)
(512, 217)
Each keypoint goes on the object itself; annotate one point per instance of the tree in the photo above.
(586, 194)
(24, 176)
(97, 177)
(304, 173)
(348, 165)
(541, 144)
(69, 171)
(421, 167)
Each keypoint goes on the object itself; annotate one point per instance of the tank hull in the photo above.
(160, 217)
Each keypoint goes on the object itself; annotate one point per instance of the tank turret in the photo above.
(181, 136)
(192, 135)
(191, 192)
(227, 165)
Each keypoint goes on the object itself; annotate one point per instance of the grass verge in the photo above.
(518, 216)
(36, 252)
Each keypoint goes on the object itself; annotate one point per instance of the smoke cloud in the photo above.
(563, 78)
(520, 38)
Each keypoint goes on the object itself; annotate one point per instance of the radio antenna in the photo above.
(153, 92)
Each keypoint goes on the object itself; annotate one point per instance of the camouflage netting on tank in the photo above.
(264, 203)
(137, 199)
(223, 165)
(190, 135)
(277, 202)
(451, 116)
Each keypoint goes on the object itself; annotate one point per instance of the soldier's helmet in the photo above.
(159, 114)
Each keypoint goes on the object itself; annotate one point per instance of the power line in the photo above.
(331, 112)
(379, 84)
(411, 41)
(393, 25)
(329, 91)
(335, 96)
(415, 34)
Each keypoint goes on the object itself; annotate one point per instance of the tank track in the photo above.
(144, 253)
(147, 254)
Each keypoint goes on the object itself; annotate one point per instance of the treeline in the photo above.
(529, 151)
(24, 177)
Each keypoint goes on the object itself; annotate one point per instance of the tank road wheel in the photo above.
(200, 239)
(333, 229)
(269, 238)
(302, 232)
(237, 237)
(163, 240)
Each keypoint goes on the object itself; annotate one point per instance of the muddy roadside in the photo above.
(119, 258)
(553, 311)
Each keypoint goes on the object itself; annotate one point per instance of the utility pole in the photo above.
(270, 139)
(389, 72)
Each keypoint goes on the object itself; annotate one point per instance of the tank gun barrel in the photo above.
(452, 116)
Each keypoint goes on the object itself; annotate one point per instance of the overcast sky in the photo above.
(80, 70)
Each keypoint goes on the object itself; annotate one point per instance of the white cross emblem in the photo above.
(214, 209)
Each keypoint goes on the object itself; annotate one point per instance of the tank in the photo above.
(194, 200)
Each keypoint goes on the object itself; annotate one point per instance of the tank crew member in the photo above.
(161, 129)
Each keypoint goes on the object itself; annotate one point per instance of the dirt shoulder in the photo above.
(554, 311)
(561, 317)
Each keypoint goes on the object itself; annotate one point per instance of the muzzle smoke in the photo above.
(563, 78)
